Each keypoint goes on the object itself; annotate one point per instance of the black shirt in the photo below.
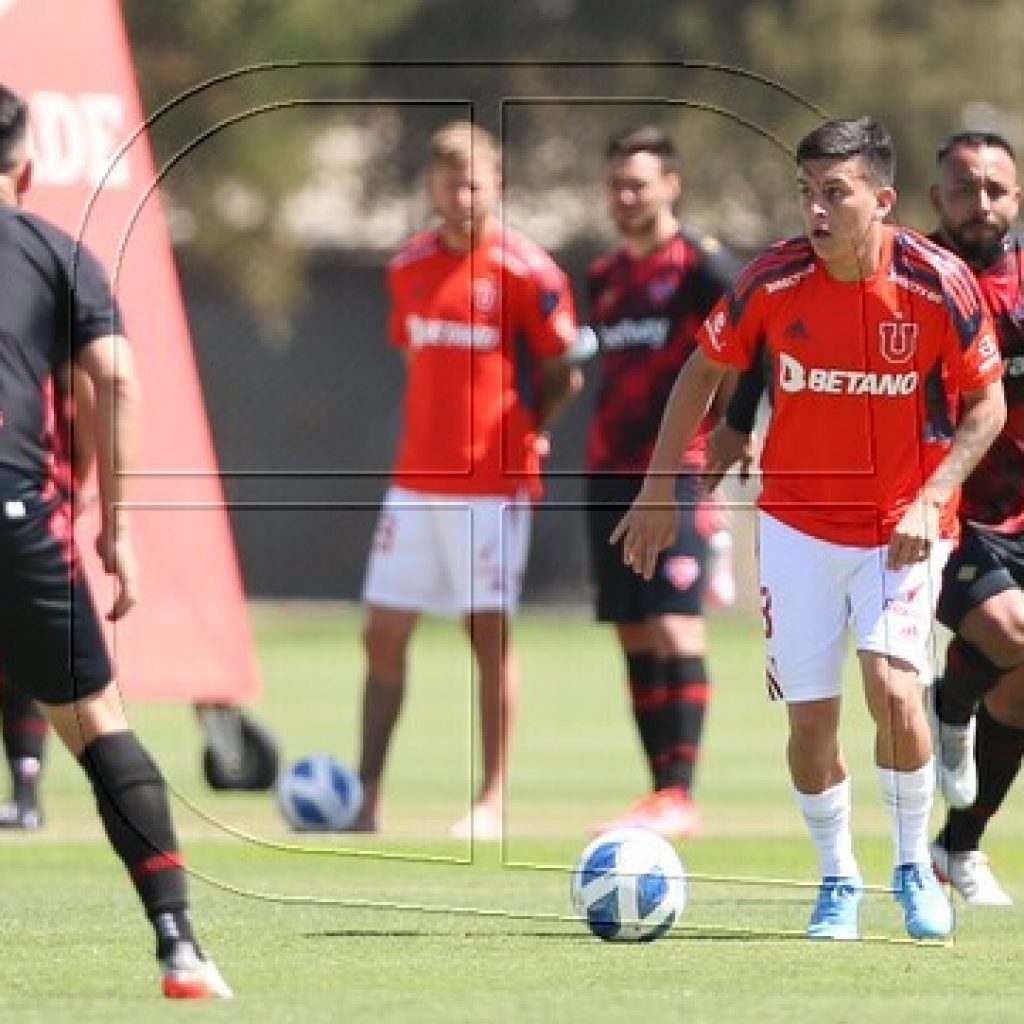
(54, 300)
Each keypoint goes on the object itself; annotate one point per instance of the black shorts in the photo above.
(984, 564)
(51, 643)
(677, 587)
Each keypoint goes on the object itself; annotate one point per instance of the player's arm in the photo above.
(732, 441)
(650, 524)
(108, 363)
(983, 413)
(83, 426)
(561, 380)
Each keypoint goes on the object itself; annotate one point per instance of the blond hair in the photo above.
(460, 143)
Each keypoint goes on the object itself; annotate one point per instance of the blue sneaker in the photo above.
(926, 909)
(835, 913)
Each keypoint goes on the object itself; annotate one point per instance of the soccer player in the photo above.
(977, 198)
(647, 298)
(55, 305)
(485, 320)
(886, 377)
(24, 726)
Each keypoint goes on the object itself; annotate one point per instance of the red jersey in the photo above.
(646, 313)
(866, 379)
(993, 494)
(473, 325)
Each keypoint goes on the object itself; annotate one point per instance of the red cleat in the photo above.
(186, 976)
(669, 812)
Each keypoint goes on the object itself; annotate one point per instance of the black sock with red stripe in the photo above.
(968, 677)
(998, 749)
(685, 682)
(645, 691)
(24, 736)
(131, 797)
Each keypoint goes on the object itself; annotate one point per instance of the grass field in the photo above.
(410, 926)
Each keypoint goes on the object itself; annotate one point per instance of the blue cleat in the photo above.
(926, 909)
(835, 913)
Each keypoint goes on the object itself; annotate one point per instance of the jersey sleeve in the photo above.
(732, 331)
(973, 353)
(547, 313)
(94, 311)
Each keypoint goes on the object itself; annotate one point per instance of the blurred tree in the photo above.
(554, 77)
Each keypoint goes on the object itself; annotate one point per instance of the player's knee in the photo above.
(996, 630)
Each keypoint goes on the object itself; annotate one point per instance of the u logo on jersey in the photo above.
(897, 341)
(485, 295)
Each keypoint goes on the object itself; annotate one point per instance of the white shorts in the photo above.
(814, 592)
(448, 555)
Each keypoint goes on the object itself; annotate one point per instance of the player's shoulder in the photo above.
(34, 230)
(707, 255)
(927, 258)
(781, 266)
(522, 257)
(605, 264)
(416, 249)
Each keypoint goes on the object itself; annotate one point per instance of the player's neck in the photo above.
(458, 240)
(863, 262)
(8, 192)
(642, 244)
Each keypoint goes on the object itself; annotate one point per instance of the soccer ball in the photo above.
(629, 885)
(319, 794)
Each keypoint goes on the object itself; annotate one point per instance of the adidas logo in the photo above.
(797, 329)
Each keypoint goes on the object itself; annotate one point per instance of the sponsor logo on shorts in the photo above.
(682, 571)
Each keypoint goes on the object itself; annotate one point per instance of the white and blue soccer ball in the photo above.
(629, 885)
(319, 794)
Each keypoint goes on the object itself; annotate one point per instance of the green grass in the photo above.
(412, 927)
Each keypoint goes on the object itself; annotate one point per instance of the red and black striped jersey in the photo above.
(646, 313)
(993, 495)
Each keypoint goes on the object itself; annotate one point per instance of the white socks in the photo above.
(828, 821)
(908, 796)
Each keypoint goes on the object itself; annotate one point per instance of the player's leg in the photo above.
(619, 603)
(131, 798)
(51, 645)
(999, 748)
(497, 671)
(805, 630)
(486, 566)
(892, 619)
(713, 523)
(24, 736)
(386, 635)
(404, 576)
(982, 604)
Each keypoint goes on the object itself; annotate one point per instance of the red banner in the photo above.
(190, 636)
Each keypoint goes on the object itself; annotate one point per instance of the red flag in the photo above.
(190, 636)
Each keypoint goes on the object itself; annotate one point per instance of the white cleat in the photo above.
(186, 976)
(969, 873)
(955, 770)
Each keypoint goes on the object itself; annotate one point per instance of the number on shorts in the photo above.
(766, 613)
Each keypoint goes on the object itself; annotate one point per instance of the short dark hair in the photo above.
(973, 140)
(13, 127)
(862, 136)
(647, 138)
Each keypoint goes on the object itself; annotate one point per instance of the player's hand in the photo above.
(117, 556)
(542, 444)
(915, 533)
(647, 528)
(727, 447)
